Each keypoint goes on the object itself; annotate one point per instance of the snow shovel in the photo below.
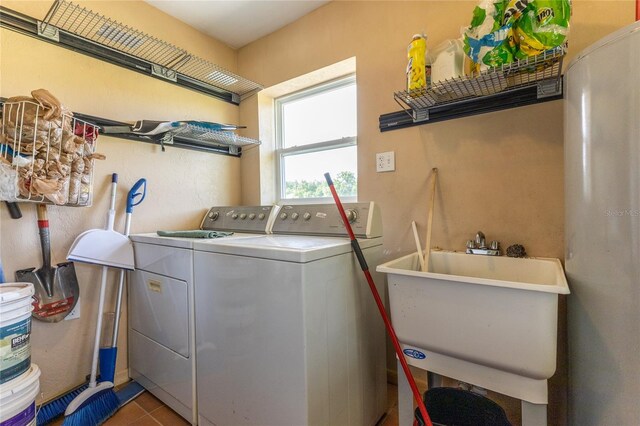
(56, 287)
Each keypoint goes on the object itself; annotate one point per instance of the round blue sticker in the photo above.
(414, 353)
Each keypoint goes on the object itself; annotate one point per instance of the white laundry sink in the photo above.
(493, 311)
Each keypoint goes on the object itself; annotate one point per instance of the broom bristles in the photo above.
(95, 410)
(52, 409)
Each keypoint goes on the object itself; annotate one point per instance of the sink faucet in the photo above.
(479, 246)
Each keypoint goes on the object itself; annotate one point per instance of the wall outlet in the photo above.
(75, 312)
(385, 161)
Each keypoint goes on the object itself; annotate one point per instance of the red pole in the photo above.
(637, 10)
(376, 296)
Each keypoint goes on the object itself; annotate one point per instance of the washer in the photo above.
(287, 332)
(161, 305)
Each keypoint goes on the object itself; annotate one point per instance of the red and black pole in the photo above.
(365, 268)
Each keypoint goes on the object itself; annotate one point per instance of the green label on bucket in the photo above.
(15, 349)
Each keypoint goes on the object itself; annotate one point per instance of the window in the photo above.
(316, 133)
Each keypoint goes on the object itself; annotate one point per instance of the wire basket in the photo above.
(202, 133)
(518, 74)
(46, 156)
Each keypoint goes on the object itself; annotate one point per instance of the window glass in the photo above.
(316, 133)
(324, 116)
(304, 173)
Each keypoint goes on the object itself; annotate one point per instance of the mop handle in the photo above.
(96, 345)
(111, 214)
(103, 285)
(365, 268)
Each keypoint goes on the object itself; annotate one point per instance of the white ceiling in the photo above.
(237, 22)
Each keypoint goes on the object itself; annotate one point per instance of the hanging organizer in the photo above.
(78, 28)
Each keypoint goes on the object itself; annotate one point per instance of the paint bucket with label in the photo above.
(18, 399)
(15, 329)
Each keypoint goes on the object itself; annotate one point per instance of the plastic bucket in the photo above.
(15, 329)
(18, 399)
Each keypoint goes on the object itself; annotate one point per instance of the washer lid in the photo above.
(187, 243)
(290, 248)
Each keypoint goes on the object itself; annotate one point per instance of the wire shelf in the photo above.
(171, 59)
(535, 70)
(201, 134)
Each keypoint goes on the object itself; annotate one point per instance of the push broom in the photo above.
(365, 268)
(104, 247)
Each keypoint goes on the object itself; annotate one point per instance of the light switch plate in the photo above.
(385, 161)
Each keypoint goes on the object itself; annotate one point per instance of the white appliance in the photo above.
(161, 306)
(602, 230)
(287, 332)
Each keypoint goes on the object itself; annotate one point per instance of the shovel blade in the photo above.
(64, 295)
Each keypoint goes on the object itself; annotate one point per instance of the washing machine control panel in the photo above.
(250, 219)
(324, 219)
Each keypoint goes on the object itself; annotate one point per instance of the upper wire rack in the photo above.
(202, 134)
(104, 31)
(517, 74)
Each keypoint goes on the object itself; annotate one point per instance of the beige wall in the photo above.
(501, 173)
(181, 183)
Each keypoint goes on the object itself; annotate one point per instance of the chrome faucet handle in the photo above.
(495, 245)
(471, 244)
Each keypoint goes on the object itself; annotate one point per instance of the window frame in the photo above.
(281, 153)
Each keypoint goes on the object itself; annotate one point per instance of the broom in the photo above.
(387, 322)
(99, 401)
(49, 411)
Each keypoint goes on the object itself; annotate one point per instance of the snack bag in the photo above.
(487, 41)
(543, 25)
(513, 11)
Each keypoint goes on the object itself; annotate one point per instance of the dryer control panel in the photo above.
(324, 219)
(250, 219)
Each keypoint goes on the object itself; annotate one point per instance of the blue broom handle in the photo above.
(133, 199)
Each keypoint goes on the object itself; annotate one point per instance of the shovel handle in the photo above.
(45, 245)
(14, 210)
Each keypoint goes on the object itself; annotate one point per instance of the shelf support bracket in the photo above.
(48, 31)
(162, 72)
(420, 115)
(549, 87)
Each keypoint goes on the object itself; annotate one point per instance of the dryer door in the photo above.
(159, 310)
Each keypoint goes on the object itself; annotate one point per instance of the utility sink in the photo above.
(492, 311)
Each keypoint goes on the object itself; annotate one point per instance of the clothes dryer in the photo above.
(162, 305)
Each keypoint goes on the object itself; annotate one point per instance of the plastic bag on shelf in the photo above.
(488, 41)
(544, 25)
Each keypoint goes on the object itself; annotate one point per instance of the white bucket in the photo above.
(18, 399)
(15, 329)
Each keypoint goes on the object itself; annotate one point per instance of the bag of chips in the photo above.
(544, 25)
(487, 41)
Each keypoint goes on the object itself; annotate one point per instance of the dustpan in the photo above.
(104, 247)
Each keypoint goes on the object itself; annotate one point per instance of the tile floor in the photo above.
(147, 410)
